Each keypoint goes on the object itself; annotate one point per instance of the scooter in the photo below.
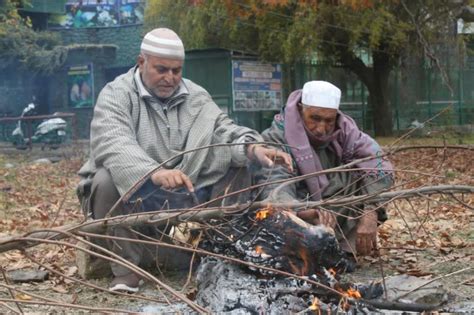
(51, 132)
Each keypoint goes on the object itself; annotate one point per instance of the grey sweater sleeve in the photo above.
(285, 193)
(113, 141)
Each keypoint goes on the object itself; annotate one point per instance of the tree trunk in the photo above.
(376, 80)
(379, 95)
(382, 116)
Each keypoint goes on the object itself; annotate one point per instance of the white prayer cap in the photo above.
(163, 42)
(321, 94)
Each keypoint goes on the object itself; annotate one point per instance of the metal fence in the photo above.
(416, 94)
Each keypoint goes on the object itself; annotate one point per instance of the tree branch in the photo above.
(174, 217)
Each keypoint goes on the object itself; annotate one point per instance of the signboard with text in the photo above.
(256, 85)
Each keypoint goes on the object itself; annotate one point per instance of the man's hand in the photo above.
(315, 217)
(267, 157)
(366, 233)
(170, 179)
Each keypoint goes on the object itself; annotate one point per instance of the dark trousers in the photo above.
(101, 195)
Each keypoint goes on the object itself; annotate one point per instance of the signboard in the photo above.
(98, 13)
(80, 84)
(256, 86)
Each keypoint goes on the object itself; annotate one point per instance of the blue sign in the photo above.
(256, 85)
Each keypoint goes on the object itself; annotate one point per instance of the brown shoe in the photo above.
(128, 283)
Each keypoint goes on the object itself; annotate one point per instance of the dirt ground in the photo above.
(426, 237)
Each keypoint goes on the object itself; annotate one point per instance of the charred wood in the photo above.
(277, 238)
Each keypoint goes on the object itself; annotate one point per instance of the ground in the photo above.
(426, 237)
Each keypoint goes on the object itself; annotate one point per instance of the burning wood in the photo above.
(315, 306)
(277, 238)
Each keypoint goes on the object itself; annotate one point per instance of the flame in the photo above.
(262, 214)
(353, 293)
(258, 249)
(315, 305)
(350, 293)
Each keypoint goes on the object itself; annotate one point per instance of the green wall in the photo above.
(126, 38)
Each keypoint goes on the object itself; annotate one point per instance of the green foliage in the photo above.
(368, 37)
(293, 30)
(205, 26)
(287, 32)
(20, 44)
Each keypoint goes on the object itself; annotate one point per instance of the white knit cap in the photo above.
(321, 94)
(163, 42)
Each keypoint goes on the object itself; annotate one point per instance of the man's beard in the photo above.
(321, 141)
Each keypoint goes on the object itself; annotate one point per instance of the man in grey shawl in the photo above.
(322, 137)
(144, 118)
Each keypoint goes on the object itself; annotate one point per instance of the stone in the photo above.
(42, 161)
(28, 275)
(398, 286)
(89, 266)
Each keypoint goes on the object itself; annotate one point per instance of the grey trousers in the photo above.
(99, 194)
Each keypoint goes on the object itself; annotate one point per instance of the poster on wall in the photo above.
(80, 83)
(98, 13)
(256, 85)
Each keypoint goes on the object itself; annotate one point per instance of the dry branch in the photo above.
(173, 217)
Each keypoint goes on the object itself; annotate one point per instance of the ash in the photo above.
(225, 287)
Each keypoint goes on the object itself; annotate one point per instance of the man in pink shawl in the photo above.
(322, 137)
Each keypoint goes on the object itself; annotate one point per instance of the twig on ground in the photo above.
(468, 281)
(191, 263)
(381, 272)
(68, 305)
(9, 307)
(119, 260)
(4, 274)
(86, 283)
(421, 224)
(405, 248)
(461, 202)
(412, 237)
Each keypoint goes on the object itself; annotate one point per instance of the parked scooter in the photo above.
(51, 132)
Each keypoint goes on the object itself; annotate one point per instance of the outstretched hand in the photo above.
(366, 233)
(315, 217)
(171, 179)
(268, 157)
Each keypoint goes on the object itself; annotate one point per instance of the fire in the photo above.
(315, 305)
(353, 293)
(259, 250)
(262, 214)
